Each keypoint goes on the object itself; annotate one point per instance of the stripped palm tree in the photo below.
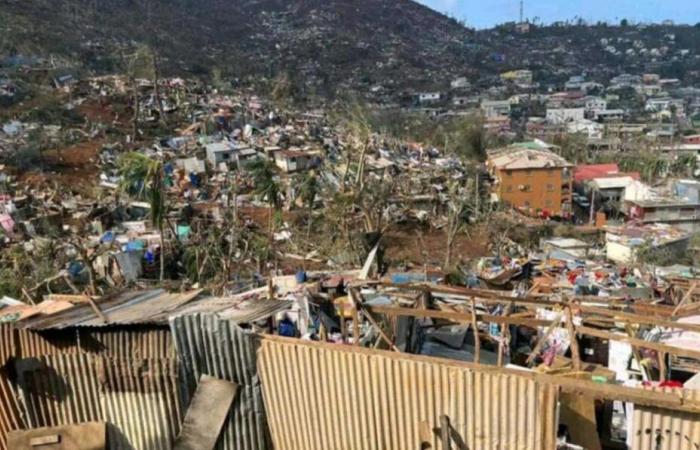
(142, 178)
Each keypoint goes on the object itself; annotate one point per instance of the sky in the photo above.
(487, 13)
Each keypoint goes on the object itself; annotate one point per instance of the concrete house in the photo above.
(294, 161)
(530, 177)
(219, 152)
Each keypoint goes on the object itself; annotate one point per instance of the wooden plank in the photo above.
(206, 415)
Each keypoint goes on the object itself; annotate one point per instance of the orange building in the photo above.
(529, 177)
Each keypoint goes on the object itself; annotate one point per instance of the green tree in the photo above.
(143, 178)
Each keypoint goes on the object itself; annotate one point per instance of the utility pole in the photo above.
(522, 10)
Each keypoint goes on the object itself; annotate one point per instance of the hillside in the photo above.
(330, 43)
(330, 47)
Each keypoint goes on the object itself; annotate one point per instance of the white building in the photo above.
(496, 108)
(429, 97)
(562, 116)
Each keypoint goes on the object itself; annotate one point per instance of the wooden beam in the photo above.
(621, 316)
(383, 335)
(639, 343)
(685, 298)
(505, 336)
(97, 310)
(540, 342)
(574, 340)
(477, 339)
(458, 317)
(445, 437)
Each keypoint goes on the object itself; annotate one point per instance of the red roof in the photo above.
(591, 171)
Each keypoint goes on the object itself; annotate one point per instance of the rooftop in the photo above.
(524, 156)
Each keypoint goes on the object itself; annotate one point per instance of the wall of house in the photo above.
(541, 189)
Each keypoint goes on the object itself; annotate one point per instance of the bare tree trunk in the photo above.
(162, 253)
(135, 101)
(156, 88)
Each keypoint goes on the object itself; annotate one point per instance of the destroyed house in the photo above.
(138, 363)
(229, 153)
(294, 161)
(531, 178)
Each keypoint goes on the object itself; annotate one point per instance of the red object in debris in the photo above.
(671, 384)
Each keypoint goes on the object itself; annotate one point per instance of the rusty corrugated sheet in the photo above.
(58, 390)
(140, 401)
(661, 429)
(207, 345)
(130, 343)
(10, 416)
(334, 397)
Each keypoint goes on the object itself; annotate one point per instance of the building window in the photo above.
(526, 204)
(509, 188)
(527, 188)
(550, 188)
(548, 203)
(528, 173)
(508, 173)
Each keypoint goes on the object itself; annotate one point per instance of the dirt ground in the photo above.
(71, 168)
(101, 113)
(408, 244)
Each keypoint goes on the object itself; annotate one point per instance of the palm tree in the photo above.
(142, 178)
(308, 190)
(266, 186)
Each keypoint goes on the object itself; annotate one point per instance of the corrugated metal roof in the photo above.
(139, 307)
(246, 307)
(207, 345)
(330, 396)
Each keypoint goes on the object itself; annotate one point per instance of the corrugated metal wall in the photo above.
(10, 417)
(210, 346)
(129, 343)
(32, 344)
(661, 429)
(321, 396)
(59, 390)
(127, 376)
(140, 401)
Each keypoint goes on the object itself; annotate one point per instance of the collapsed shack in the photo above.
(398, 367)
(116, 362)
